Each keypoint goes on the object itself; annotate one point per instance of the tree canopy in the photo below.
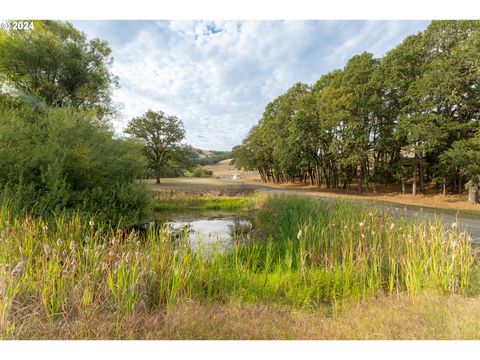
(160, 135)
(55, 65)
(405, 116)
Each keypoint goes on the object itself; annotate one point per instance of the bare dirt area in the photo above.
(390, 193)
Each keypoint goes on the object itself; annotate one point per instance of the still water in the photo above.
(207, 230)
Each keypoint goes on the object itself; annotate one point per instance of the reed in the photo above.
(178, 201)
(311, 254)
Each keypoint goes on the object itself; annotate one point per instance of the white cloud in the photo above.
(218, 76)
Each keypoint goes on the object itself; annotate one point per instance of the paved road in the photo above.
(469, 222)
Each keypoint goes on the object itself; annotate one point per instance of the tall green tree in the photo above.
(161, 136)
(464, 157)
(55, 65)
(407, 116)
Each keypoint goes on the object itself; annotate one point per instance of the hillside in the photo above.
(208, 157)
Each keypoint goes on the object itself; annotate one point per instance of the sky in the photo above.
(218, 76)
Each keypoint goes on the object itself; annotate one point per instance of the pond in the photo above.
(208, 230)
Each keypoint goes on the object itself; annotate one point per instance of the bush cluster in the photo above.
(55, 160)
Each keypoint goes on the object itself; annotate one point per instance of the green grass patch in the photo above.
(179, 202)
(314, 255)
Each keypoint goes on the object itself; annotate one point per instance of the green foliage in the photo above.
(200, 171)
(61, 159)
(208, 157)
(160, 136)
(464, 156)
(376, 118)
(314, 255)
(55, 65)
(166, 201)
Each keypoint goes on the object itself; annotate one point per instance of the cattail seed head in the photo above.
(47, 249)
(18, 268)
(299, 234)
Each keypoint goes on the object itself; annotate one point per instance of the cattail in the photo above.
(47, 249)
(87, 239)
(18, 268)
(392, 226)
(72, 246)
(361, 224)
(59, 242)
(91, 223)
(299, 235)
(76, 292)
(454, 225)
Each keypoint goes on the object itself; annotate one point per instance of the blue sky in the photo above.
(217, 76)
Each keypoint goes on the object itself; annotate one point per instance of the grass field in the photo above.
(427, 316)
(178, 201)
(391, 193)
(189, 184)
(315, 267)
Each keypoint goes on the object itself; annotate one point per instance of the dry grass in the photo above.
(426, 316)
(224, 170)
(390, 193)
(191, 184)
(72, 278)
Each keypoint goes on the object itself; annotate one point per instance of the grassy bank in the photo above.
(179, 201)
(427, 316)
(315, 258)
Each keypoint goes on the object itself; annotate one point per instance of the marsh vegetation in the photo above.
(311, 256)
(77, 259)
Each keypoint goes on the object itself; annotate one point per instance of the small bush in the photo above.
(200, 171)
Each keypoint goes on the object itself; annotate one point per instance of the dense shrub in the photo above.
(61, 159)
(199, 171)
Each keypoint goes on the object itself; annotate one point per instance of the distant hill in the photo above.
(208, 157)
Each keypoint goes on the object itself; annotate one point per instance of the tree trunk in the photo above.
(460, 185)
(444, 186)
(157, 179)
(403, 186)
(414, 185)
(422, 176)
(472, 193)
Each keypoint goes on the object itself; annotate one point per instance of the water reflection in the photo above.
(219, 232)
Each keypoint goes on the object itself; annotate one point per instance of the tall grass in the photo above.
(179, 201)
(313, 254)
